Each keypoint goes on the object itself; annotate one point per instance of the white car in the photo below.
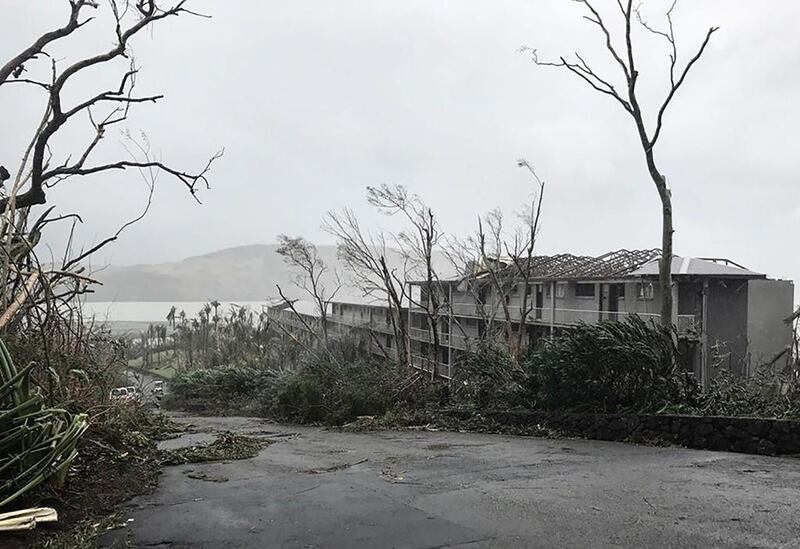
(120, 393)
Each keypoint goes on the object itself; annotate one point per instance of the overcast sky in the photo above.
(314, 100)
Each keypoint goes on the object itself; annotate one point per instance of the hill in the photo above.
(243, 273)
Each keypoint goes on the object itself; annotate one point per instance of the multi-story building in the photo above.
(726, 315)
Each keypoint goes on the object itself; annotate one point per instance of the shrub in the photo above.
(333, 388)
(225, 388)
(335, 391)
(765, 394)
(610, 367)
(486, 377)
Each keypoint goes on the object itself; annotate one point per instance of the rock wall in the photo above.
(729, 434)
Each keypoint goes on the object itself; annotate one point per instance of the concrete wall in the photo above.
(769, 302)
(350, 314)
(726, 327)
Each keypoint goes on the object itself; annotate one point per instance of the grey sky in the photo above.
(314, 100)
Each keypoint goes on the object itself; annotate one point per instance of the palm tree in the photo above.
(171, 317)
(216, 304)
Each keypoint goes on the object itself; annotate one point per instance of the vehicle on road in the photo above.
(135, 392)
(120, 394)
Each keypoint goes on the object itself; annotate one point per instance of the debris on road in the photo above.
(227, 446)
(26, 519)
(333, 468)
(200, 475)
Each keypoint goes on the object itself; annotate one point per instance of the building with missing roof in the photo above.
(726, 316)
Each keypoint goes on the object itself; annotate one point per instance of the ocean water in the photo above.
(154, 311)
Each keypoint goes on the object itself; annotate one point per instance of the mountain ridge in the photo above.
(248, 272)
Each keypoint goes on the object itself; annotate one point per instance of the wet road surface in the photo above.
(314, 488)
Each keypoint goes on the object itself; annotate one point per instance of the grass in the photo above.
(164, 364)
(167, 372)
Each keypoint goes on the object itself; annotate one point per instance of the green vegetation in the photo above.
(164, 364)
(614, 367)
(37, 442)
(610, 367)
(334, 389)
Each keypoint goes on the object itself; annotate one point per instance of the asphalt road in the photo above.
(146, 384)
(316, 488)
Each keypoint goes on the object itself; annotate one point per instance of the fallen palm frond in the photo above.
(626, 366)
(37, 443)
(26, 519)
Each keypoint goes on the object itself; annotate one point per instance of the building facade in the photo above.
(726, 316)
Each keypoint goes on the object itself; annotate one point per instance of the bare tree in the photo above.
(496, 271)
(26, 285)
(364, 255)
(464, 257)
(40, 170)
(629, 100)
(497, 263)
(302, 255)
(521, 253)
(418, 244)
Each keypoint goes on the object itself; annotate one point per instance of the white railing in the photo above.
(425, 364)
(375, 325)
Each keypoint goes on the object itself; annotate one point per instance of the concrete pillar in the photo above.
(552, 308)
(704, 338)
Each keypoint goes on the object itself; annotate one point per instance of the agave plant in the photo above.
(37, 443)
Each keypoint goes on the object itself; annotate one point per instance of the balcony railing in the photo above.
(426, 364)
(365, 324)
(685, 324)
(449, 340)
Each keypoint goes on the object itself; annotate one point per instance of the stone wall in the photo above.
(729, 434)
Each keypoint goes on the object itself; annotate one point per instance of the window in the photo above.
(584, 290)
(334, 308)
(645, 290)
(561, 290)
(547, 291)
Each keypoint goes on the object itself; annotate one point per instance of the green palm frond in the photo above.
(37, 443)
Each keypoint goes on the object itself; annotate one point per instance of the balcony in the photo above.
(425, 364)
(447, 340)
(364, 324)
(687, 325)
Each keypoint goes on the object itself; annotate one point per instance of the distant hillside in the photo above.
(244, 273)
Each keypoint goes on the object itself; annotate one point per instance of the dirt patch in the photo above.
(227, 446)
(201, 475)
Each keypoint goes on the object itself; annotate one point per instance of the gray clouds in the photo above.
(315, 100)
